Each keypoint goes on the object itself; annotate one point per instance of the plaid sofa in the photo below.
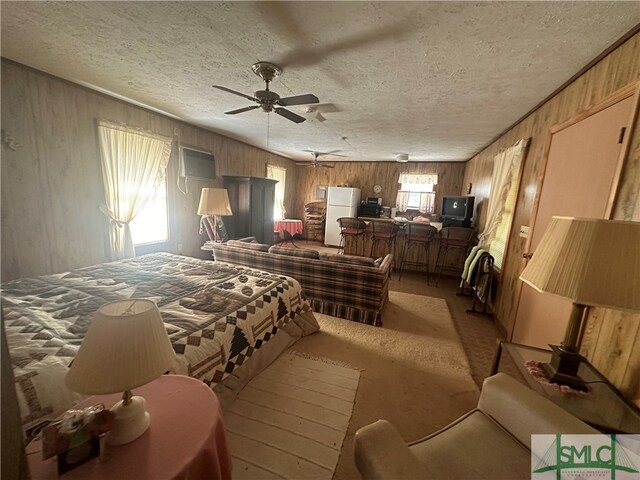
(354, 292)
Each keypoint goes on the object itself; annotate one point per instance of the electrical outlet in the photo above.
(524, 231)
(179, 248)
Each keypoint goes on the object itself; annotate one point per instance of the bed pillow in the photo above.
(295, 252)
(258, 247)
(351, 260)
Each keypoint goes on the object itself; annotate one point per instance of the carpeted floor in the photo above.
(290, 421)
(414, 370)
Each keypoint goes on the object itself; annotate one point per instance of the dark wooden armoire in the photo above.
(252, 201)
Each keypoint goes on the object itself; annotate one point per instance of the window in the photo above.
(505, 183)
(499, 242)
(280, 174)
(416, 192)
(133, 161)
(151, 224)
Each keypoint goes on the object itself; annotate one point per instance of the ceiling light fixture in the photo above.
(402, 157)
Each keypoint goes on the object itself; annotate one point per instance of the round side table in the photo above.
(186, 438)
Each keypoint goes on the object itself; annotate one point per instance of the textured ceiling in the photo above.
(436, 80)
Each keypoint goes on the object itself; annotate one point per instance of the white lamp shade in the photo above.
(126, 346)
(214, 201)
(593, 262)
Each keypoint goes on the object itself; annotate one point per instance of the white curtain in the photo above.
(506, 166)
(280, 174)
(427, 202)
(133, 163)
(402, 201)
(418, 178)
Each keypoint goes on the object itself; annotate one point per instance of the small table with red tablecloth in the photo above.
(185, 440)
(288, 228)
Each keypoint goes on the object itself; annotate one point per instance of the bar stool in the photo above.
(386, 232)
(418, 235)
(452, 240)
(351, 227)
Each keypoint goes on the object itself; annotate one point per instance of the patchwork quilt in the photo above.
(217, 316)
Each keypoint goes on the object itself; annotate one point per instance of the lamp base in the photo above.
(563, 368)
(131, 421)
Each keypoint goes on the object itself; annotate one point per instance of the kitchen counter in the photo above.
(438, 225)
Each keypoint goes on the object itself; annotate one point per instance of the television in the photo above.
(457, 211)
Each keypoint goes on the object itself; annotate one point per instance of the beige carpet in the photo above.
(290, 421)
(414, 370)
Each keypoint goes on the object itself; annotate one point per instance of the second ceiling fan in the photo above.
(270, 101)
(317, 163)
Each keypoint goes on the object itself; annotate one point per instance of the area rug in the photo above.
(414, 370)
(291, 420)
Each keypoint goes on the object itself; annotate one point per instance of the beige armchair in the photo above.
(493, 441)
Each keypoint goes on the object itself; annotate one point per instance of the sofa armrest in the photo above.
(523, 412)
(386, 263)
(381, 453)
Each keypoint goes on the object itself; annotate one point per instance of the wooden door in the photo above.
(583, 165)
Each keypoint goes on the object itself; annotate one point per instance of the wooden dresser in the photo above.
(252, 200)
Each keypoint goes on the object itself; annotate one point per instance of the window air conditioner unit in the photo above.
(198, 164)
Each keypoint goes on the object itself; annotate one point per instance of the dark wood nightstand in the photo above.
(603, 406)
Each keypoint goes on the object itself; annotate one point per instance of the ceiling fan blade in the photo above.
(326, 166)
(236, 93)
(298, 100)
(294, 117)
(240, 110)
(333, 153)
(307, 164)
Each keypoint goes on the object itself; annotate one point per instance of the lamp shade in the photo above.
(214, 201)
(590, 261)
(126, 346)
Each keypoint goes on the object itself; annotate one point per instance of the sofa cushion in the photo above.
(351, 259)
(260, 247)
(246, 240)
(295, 252)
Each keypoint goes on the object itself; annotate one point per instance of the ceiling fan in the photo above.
(270, 101)
(316, 163)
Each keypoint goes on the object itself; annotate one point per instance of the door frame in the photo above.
(630, 90)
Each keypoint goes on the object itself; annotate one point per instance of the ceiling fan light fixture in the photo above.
(402, 157)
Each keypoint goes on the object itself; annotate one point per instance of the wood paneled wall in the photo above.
(612, 339)
(364, 175)
(52, 185)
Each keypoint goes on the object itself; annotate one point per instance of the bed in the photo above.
(226, 323)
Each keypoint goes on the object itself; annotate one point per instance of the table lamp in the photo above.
(126, 346)
(593, 262)
(214, 202)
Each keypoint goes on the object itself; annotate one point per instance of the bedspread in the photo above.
(217, 316)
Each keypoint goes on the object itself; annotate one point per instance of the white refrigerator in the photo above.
(341, 202)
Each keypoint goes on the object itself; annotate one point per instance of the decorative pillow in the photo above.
(350, 259)
(295, 252)
(259, 247)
